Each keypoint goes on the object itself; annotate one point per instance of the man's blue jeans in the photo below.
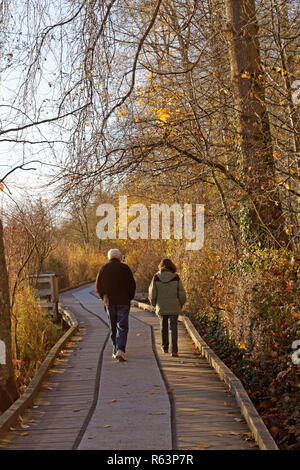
(118, 319)
(164, 329)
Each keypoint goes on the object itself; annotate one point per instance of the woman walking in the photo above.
(167, 295)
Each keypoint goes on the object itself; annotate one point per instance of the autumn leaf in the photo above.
(24, 434)
(1, 187)
(203, 446)
(150, 392)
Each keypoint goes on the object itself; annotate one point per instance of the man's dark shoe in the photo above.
(175, 354)
(164, 350)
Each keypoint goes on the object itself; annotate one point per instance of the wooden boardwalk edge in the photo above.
(256, 425)
(11, 415)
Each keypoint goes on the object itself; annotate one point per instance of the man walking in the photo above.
(116, 287)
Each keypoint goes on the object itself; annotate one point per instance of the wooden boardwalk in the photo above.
(154, 401)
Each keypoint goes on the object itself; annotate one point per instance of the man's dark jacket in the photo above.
(115, 279)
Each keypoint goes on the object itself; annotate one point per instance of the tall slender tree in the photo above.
(266, 218)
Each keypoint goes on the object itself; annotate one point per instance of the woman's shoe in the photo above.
(121, 356)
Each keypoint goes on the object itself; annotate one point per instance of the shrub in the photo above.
(74, 263)
(34, 334)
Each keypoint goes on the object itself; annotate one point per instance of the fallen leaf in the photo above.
(24, 434)
(113, 401)
(170, 390)
(193, 347)
(76, 410)
(107, 426)
(274, 430)
(150, 392)
(202, 446)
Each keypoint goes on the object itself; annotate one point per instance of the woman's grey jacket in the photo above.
(166, 293)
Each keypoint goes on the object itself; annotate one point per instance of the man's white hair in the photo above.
(114, 253)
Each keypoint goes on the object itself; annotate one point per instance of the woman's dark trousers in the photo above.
(165, 322)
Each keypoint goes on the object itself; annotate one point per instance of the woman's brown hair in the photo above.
(167, 264)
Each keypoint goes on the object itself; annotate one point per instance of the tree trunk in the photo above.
(266, 219)
(8, 390)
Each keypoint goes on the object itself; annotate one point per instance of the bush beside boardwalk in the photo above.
(34, 333)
